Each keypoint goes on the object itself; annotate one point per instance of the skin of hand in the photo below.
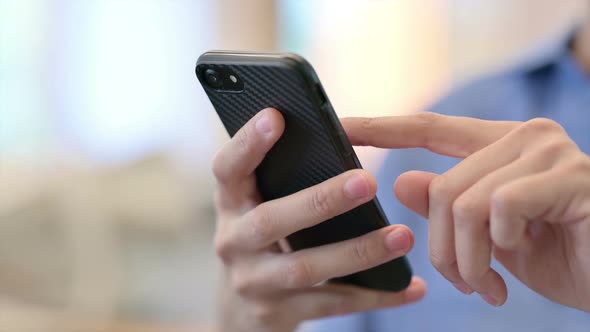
(267, 289)
(520, 194)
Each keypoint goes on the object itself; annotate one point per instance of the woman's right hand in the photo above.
(269, 290)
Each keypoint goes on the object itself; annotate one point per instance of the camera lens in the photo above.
(213, 79)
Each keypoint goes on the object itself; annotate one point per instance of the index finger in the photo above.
(243, 153)
(448, 135)
(235, 163)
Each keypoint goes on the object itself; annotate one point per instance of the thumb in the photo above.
(411, 188)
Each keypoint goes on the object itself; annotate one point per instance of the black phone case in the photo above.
(312, 149)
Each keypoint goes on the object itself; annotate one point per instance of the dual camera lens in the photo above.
(221, 79)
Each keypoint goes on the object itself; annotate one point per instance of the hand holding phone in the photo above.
(268, 290)
(291, 173)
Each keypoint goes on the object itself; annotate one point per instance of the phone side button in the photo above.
(337, 132)
(344, 144)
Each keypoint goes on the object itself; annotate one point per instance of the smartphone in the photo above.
(312, 149)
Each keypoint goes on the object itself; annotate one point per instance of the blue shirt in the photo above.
(551, 86)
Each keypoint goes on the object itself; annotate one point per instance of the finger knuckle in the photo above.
(440, 261)
(339, 306)
(241, 284)
(472, 274)
(540, 126)
(218, 168)
(504, 200)
(361, 252)
(439, 189)
(367, 124)
(299, 273)
(243, 140)
(320, 203)
(247, 281)
(554, 147)
(500, 238)
(427, 119)
(264, 313)
(223, 247)
(465, 211)
(261, 224)
(578, 165)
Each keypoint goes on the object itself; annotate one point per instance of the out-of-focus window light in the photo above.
(297, 24)
(24, 126)
(129, 75)
(106, 80)
(490, 36)
(118, 76)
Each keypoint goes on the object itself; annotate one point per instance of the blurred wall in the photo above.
(487, 36)
(252, 25)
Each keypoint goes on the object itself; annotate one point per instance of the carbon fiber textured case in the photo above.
(312, 149)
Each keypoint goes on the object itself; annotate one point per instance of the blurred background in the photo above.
(106, 139)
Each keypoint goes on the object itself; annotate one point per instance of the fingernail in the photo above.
(356, 187)
(263, 124)
(398, 240)
(414, 294)
(489, 299)
(463, 287)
